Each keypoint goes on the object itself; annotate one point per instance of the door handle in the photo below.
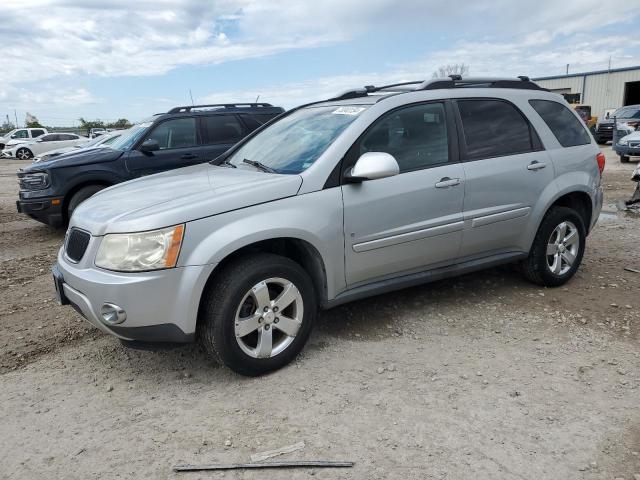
(447, 182)
(535, 165)
(188, 156)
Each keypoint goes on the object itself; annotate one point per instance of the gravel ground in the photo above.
(482, 376)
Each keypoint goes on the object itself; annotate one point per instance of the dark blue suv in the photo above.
(51, 190)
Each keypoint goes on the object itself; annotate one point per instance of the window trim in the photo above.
(205, 134)
(534, 138)
(156, 125)
(350, 158)
(582, 124)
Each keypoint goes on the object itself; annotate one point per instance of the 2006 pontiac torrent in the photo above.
(374, 190)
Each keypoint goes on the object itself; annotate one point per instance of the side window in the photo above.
(177, 133)
(565, 126)
(493, 128)
(36, 133)
(222, 129)
(49, 138)
(68, 136)
(21, 134)
(416, 136)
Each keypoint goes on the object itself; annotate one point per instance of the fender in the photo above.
(562, 185)
(212, 239)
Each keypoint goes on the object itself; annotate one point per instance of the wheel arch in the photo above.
(300, 251)
(79, 186)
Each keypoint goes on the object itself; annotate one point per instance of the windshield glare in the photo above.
(292, 144)
(129, 137)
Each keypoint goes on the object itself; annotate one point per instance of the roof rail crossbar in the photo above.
(456, 81)
(188, 108)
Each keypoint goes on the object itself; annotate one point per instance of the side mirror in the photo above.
(371, 166)
(149, 145)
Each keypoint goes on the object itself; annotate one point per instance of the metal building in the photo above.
(603, 90)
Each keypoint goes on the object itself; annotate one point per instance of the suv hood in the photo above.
(179, 196)
(77, 157)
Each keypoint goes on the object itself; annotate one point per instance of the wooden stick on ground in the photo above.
(241, 466)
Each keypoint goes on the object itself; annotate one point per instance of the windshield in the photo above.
(292, 144)
(127, 140)
(8, 134)
(627, 112)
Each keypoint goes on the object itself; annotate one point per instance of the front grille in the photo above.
(77, 243)
(634, 144)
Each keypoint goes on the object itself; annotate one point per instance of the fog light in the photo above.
(113, 314)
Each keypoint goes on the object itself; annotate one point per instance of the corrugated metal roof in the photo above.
(596, 72)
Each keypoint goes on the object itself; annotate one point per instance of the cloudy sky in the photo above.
(107, 59)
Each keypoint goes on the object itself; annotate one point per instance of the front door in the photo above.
(179, 143)
(412, 221)
(506, 171)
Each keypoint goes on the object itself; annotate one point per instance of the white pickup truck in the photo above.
(20, 135)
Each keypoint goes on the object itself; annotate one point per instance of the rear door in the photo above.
(219, 133)
(506, 170)
(180, 146)
(411, 221)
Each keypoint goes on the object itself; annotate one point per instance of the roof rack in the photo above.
(455, 81)
(188, 108)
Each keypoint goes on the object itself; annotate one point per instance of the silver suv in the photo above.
(371, 191)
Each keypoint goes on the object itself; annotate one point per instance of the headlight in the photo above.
(34, 181)
(623, 141)
(137, 252)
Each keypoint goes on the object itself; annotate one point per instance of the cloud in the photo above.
(65, 40)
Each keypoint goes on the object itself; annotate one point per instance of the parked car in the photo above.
(20, 135)
(42, 144)
(628, 146)
(51, 190)
(96, 132)
(102, 140)
(630, 115)
(371, 191)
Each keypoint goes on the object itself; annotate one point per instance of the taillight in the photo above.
(601, 161)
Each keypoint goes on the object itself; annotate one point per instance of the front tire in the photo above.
(557, 249)
(80, 196)
(624, 159)
(24, 154)
(258, 313)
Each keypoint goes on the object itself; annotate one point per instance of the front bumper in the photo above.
(47, 210)
(160, 306)
(627, 151)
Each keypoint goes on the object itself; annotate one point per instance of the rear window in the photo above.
(494, 128)
(569, 131)
(222, 129)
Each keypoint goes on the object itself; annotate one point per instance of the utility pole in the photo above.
(16, 115)
(567, 69)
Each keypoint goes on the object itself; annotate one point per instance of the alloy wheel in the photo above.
(268, 318)
(562, 248)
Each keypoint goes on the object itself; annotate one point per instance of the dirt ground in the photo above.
(484, 376)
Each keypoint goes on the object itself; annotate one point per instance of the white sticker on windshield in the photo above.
(348, 110)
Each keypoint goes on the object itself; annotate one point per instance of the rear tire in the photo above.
(241, 324)
(557, 251)
(624, 159)
(80, 196)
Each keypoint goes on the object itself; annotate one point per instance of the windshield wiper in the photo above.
(259, 165)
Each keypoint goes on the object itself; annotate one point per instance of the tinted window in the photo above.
(68, 136)
(493, 128)
(36, 133)
(565, 126)
(49, 138)
(222, 129)
(178, 133)
(416, 136)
